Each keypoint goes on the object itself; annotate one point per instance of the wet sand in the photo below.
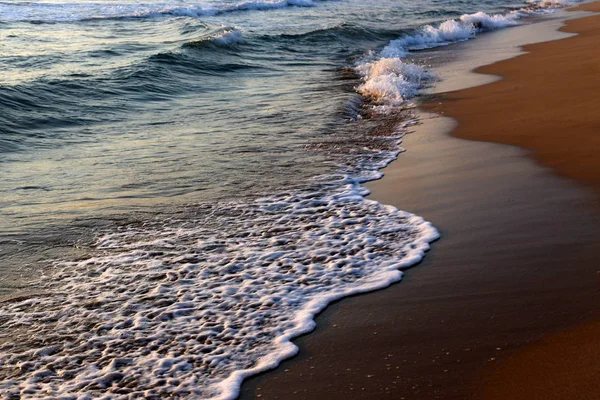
(547, 103)
(552, 94)
(506, 303)
(561, 366)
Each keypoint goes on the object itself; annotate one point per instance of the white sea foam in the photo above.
(389, 79)
(188, 308)
(228, 37)
(451, 31)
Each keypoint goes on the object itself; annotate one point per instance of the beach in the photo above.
(545, 95)
(505, 305)
(197, 196)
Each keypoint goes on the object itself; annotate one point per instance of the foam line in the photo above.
(190, 307)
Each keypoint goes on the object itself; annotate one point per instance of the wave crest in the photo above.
(224, 37)
(391, 80)
(57, 13)
(387, 78)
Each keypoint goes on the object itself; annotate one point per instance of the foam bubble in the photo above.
(228, 37)
(189, 307)
(391, 80)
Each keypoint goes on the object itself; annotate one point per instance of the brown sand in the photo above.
(561, 366)
(549, 102)
(501, 308)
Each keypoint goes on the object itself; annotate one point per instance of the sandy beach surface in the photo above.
(505, 306)
(552, 94)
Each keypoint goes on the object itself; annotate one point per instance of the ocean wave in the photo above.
(450, 31)
(389, 80)
(554, 3)
(228, 37)
(60, 13)
(175, 61)
(340, 31)
(49, 112)
(224, 37)
(31, 112)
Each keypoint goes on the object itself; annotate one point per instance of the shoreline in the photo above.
(545, 81)
(505, 275)
(562, 364)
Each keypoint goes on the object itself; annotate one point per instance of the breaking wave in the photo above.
(223, 37)
(389, 80)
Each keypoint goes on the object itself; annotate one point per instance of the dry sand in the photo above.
(505, 305)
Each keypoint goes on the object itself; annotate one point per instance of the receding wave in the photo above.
(189, 307)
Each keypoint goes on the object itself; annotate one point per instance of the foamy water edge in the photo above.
(303, 320)
(389, 80)
(191, 309)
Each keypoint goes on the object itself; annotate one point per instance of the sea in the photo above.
(181, 180)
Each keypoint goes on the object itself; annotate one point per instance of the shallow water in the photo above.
(185, 179)
(112, 106)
